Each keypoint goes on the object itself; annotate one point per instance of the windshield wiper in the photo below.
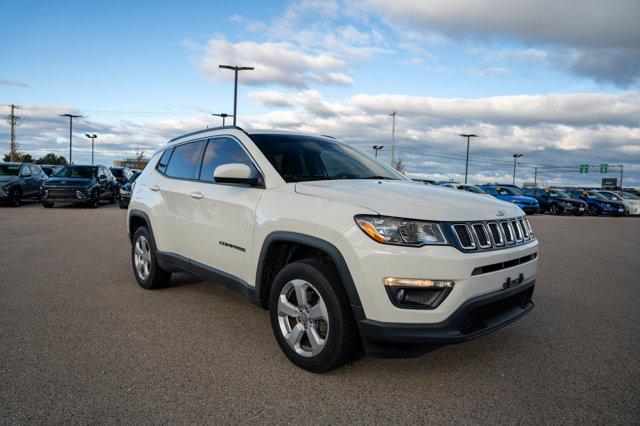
(379, 177)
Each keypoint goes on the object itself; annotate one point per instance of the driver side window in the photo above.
(221, 151)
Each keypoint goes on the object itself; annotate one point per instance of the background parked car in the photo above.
(51, 169)
(464, 187)
(632, 202)
(80, 184)
(511, 195)
(125, 191)
(599, 204)
(19, 181)
(556, 201)
(122, 174)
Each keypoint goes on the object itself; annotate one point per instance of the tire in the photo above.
(593, 211)
(337, 340)
(47, 205)
(95, 199)
(554, 209)
(17, 198)
(155, 277)
(114, 196)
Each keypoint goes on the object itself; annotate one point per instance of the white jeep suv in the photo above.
(347, 254)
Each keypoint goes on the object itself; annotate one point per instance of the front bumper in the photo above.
(572, 208)
(474, 318)
(65, 195)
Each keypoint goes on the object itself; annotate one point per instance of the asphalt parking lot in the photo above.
(81, 342)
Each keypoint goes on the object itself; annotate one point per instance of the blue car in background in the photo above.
(599, 204)
(556, 201)
(512, 195)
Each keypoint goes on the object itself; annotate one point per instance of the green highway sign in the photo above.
(604, 168)
(584, 168)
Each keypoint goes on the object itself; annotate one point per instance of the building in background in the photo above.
(132, 163)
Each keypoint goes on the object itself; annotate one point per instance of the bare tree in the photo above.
(401, 164)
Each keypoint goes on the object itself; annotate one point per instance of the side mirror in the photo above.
(102, 177)
(234, 173)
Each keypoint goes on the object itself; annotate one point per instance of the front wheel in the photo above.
(554, 209)
(47, 204)
(17, 198)
(311, 317)
(148, 273)
(95, 200)
(593, 211)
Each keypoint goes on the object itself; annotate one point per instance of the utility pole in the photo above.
(13, 121)
(515, 159)
(621, 173)
(224, 115)
(466, 166)
(235, 68)
(393, 138)
(71, 117)
(93, 139)
(377, 148)
(535, 176)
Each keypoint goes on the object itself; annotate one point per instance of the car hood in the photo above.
(60, 181)
(5, 179)
(410, 200)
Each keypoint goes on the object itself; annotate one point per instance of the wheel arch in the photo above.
(281, 242)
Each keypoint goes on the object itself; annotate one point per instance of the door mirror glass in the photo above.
(233, 173)
(102, 177)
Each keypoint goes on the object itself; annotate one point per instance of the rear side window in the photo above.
(184, 161)
(223, 151)
(164, 161)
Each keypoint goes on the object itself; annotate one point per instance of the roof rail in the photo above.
(203, 131)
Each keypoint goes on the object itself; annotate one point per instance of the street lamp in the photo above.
(223, 115)
(466, 166)
(93, 139)
(515, 159)
(71, 117)
(235, 68)
(377, 148)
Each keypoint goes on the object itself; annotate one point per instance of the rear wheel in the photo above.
(311, 317)
(554, 209)
(593, 211)
(148, 273)
(47, 204)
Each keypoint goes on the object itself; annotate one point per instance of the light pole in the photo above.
(393, 138)
(235, 68)
(93, 139)
(377, 148)
(223, 115)
(515, 159)
(466, 166)
(71, 117)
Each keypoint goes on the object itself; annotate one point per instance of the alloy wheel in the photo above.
(303, 318)
(142, 257)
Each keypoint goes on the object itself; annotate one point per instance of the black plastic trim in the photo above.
(377, 335)
(328, 248)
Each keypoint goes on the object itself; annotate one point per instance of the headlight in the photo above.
(124, 192)
(401, 232)
(516, 201)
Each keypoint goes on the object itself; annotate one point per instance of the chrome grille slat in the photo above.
(481, 235)
(517, 231)
(464, 236)
(525, 231)
(496, 235)
(507, 231)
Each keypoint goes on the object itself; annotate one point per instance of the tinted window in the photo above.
(303, 158)
(184, 161)
(86, 172)
(117, 172)
(164, 161)
(223, 151)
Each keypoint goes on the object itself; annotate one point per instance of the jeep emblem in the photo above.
(501, 213)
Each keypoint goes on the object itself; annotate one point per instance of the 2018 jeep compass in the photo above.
(345, 252)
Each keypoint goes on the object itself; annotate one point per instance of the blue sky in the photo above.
(562, 91)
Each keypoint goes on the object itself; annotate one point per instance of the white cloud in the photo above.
(16, 83)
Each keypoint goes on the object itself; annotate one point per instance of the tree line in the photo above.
(49, 158)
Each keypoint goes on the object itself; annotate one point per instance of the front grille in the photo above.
(503, 265)
(61, 193)
(495, 234)
(481, 234)
(464, 236)
(476, 319)
(508, 234)
(517, 231)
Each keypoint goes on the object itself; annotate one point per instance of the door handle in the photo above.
(154, 188)
(196, 195)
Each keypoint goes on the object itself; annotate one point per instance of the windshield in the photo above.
(507, 191)
(117, 172)
(134, 177)
(471, 188)
(86, 172)
(627, 196)
(595, 196)
(610, 196)
(9, 169)
(305, 158)
(557, 194)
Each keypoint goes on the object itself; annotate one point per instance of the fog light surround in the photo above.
(416, 293)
